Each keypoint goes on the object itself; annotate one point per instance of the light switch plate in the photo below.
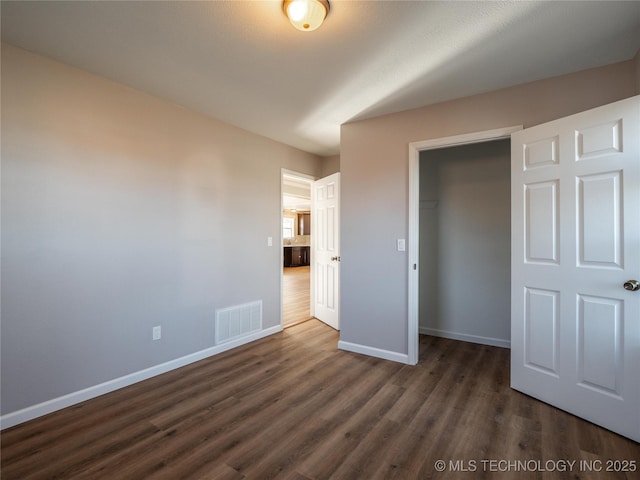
(269, 241)
(401, 245)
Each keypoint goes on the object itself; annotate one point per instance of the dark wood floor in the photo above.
(296, 306)
(291, 406)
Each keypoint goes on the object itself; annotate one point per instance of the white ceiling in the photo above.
(243, 63)
(296, 193)
(293, 202)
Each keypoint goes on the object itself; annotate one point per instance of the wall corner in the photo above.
(636, 72)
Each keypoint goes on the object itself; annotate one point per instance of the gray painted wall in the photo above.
(465, 242)
(120, 212)
(375, 189)
(636, 61)
(330, 165)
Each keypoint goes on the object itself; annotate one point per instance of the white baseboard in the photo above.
(44, 408)
(374, 352)
(494, 342)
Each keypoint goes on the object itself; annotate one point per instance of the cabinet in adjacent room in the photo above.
(296, 256)
(304, 224)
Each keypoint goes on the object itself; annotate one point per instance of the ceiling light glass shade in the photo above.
(306, 15)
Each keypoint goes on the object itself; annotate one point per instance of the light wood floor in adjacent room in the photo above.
(292, 406)
(295, 295)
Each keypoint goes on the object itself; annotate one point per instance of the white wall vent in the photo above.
(238, 321)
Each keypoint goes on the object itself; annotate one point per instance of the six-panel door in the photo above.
(326, 249)
(575, 241)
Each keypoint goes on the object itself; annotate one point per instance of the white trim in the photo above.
(414, 217)
(34, 411)
(302, 176)
(495, 342)
(475, 137)
(413, 238)
(373, 352)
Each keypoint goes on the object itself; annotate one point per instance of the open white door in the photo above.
(575, 331)
(325, 216)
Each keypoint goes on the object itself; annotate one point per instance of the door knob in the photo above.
(337, 259)
(632, 285)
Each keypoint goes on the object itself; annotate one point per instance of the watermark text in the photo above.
(551, 465)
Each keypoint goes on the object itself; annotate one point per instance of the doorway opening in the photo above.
(415, 150)
(465, 243)
(296, 248)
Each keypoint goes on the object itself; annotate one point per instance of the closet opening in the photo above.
(465, 242)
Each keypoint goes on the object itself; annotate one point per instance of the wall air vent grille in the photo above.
(238, 321)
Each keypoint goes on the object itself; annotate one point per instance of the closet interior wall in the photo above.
(465, 242)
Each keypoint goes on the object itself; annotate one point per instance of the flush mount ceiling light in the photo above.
(306, 15)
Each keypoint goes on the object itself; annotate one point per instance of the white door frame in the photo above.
(414, 218)
(311, 179)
